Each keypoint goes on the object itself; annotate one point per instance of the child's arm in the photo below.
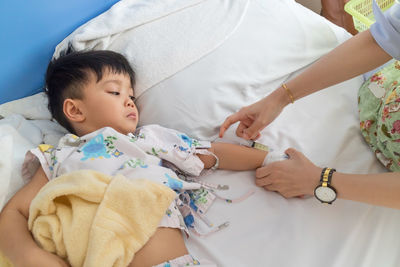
(16, 241)
(234, 157)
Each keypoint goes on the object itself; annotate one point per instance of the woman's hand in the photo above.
(257, 116)
(296, 176)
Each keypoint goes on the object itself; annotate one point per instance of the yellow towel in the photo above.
(92, 219)
(4, 262)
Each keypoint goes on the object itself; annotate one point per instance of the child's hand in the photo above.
(293, 177)
(41, 258)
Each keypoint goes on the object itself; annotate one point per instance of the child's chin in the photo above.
(131, 130)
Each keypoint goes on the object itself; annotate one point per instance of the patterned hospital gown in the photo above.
(138, 155)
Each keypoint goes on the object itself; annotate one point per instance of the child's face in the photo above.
(109, 102)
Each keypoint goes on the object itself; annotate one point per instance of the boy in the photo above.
(91, 95)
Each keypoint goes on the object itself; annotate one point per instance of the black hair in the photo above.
(66, 76)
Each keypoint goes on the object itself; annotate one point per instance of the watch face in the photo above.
(325, 194)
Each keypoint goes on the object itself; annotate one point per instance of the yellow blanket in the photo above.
(92, 219)
(4, 262)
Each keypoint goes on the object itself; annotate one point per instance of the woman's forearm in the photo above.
(378, 189)
(356, 56)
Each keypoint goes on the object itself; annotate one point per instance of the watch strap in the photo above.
(326, 176)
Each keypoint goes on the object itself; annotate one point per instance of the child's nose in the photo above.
(130, 102)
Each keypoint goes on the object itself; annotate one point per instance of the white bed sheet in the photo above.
(265, 229)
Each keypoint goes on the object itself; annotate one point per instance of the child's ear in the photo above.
(72, 110)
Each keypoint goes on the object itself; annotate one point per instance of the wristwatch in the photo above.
(325, 192)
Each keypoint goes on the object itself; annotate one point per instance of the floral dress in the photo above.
(379, 108)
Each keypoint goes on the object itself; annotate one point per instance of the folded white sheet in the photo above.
(17, 136)
(6, 143)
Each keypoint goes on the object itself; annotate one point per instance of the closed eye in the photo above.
(114, 93)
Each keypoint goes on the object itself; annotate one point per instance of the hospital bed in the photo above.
(267, 43)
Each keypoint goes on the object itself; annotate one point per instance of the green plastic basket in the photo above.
(361, 11)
